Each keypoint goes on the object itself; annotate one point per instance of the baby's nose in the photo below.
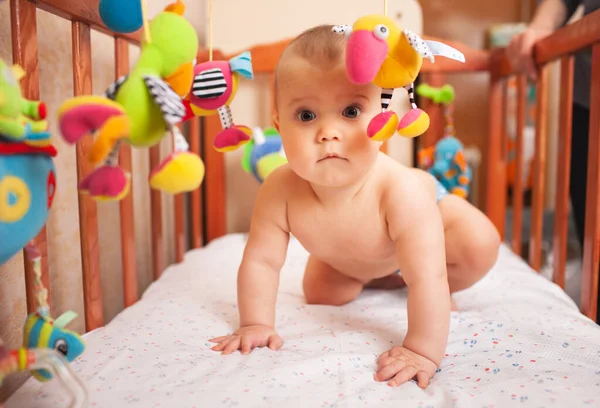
(328, 136)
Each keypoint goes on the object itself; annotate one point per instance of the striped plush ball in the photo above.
(121, 16)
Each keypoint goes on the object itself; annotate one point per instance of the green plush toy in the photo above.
(443, 95)
(140, 109)
(19, 117)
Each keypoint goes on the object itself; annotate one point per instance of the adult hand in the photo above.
(520, 50)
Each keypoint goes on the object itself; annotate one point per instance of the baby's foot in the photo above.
(393, 281)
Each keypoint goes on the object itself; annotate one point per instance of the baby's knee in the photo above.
(328, 299)
(481, 252)
(319, 290)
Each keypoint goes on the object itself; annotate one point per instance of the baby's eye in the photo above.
(352, 112)
(306, 116)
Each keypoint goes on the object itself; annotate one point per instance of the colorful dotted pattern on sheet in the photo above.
(517, 342)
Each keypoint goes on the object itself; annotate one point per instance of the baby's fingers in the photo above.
(422, 379)
(219, 339)
(275, 342)
(390, 370)
(403, 376)
(246, 345)
(222, 343)
(232, 346)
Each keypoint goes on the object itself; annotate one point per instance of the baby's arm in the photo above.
(258, 275)
(415, 225)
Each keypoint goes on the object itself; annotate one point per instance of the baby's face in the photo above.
(322, 118)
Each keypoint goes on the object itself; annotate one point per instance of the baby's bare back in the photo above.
(352, 237)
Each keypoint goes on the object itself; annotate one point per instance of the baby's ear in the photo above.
(275, 118)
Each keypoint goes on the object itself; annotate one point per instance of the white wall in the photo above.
(239, 24)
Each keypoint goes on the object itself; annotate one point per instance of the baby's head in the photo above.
(319, 112)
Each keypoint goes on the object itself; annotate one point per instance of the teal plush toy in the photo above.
(263, 153)
(27, 172)
(446, 160)
(121, 16)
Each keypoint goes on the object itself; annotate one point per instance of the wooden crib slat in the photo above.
(591, 247)
(178, 208)
(25, 53)
(518, 186)
(504, 120)
(214, 187)
(128, 261)
(196, 201)
(158, 257)
(495, 193)
(539, 171)
(88, 214)
(561, 214)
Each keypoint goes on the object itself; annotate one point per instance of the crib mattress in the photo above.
(517, 341)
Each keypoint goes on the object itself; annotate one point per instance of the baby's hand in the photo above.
(247, 338)
(400, 365)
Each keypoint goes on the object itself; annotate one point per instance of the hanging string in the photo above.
(40, 292)
(145, 21)
(449, 116)
(210, 31)
(385, 7)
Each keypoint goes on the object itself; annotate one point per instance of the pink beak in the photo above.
(364, 55)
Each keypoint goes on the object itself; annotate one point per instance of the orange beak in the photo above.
(177, 8)
(181, 80)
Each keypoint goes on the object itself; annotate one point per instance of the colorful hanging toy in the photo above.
(140, 109)
(27, 186)
(27, 172)
(263, 154)
(121, 16)
(446, 159)
(379, 51)
(214, 88)
(47, 346)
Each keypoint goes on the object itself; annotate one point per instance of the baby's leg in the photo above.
(324, 285)
(472, 242)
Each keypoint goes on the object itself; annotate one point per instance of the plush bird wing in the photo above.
(242, 64)
(168, 101)
(428, 49)
(209, 84)
(111, 92)
(342, 29)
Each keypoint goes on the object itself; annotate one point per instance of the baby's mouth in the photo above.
(332, 156)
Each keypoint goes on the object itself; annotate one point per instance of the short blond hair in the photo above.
(318, 45)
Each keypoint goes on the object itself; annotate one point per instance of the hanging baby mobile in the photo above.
(446, 160)
(27, 172)
(140, 109)
(263, 154)
(382, 53)
(47, 346)
(27, 187)
(214, 87)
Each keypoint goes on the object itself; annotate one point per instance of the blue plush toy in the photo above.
(121, 16)
(446, 161)
(263, 153)
(27, 172)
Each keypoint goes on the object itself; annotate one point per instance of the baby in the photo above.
(362, 216)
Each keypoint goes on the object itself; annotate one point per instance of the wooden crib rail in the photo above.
(559, 46)
(84, 17)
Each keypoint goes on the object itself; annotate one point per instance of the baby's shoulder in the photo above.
(400, 183)
(282, 180)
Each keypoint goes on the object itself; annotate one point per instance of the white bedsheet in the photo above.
(518, 341)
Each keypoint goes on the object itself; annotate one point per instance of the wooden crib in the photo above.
(206, 217)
